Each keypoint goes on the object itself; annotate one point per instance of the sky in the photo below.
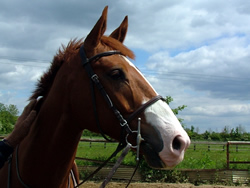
(197, 52)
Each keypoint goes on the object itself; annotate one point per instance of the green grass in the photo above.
(99, 151)
(216, 158)
(200, 158)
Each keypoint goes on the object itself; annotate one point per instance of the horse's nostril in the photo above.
(176, 143)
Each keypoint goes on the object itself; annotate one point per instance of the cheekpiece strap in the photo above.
(86, 62)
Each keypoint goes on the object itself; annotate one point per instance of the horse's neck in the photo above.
(49, 150)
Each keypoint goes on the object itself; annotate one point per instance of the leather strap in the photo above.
(143, 107)
(86, 62)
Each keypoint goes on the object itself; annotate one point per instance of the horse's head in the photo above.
(66, 108)
(165, 141)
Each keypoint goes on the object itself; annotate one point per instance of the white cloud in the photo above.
(218, 68)
(185, 23)
(199, 50)
(212, 80)
(225, 110)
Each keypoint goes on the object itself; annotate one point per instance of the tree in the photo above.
(206, 135)
(215, 136)
(169, 99)
(8, 117)
(225, 136)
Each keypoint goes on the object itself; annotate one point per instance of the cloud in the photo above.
(195, 51)
(212, 80)
(185, 23)
(222, 68)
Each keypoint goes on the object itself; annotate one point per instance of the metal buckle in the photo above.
(123, 123)
(94, 77)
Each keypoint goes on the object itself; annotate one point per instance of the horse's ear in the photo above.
(121, 31)
(97, 32)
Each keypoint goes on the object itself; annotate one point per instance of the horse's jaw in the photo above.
(166, 146)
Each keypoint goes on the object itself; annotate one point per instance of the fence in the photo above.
(228, 152)
(208, 145)
(193, 175)
(124, 172)
(215, 175)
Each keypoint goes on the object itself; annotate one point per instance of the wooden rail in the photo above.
(122, 173)
(215, 175)
(194, 143)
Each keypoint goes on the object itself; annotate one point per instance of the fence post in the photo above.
(227, 155)
(208, 147)
(194, 146)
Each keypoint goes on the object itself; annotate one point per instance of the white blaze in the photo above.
(163, 119)
(132, 65)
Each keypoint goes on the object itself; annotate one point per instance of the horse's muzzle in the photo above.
(165, 158)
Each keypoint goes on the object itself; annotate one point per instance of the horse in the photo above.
(65, 108)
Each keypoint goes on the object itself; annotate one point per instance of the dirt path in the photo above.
(154, 185)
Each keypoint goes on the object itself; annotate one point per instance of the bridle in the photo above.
(124, 123)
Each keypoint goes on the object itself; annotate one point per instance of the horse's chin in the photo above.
(152, 157)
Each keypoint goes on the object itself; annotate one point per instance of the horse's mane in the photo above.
(44, 84)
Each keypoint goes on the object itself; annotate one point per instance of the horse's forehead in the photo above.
(115, 61)
(130, 68)
(142, 76)
(129, 62)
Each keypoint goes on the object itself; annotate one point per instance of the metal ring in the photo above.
(128, 141)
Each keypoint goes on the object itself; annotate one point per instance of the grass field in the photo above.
(215, 157)
(99, 151)
(200, 156)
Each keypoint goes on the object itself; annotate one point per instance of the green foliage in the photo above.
(155, 175)
(193, 134)
(8, 117)
(90, 134)
(205, 161)
(169, 99)
(176, 111)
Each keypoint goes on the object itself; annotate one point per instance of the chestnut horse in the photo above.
(46, 155)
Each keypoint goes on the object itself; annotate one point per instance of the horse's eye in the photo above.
(117, 74)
